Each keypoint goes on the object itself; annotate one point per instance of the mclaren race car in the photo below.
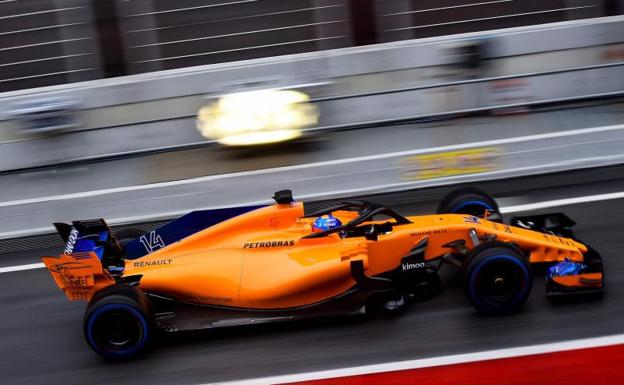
(261, 264)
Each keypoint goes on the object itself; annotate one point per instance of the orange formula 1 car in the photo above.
(260, 264)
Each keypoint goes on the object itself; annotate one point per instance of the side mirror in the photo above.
(283, 197)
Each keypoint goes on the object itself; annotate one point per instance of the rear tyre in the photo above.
(471, 201)
(497, 278)
(118, 323)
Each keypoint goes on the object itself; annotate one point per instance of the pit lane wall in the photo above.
(369, 85)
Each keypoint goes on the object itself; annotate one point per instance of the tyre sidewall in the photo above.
(484, 256)
(126, 299)
(457, 201)
(466, 194)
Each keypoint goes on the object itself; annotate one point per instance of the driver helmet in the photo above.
(325, 222)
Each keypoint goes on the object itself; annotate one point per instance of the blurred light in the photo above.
(257, 117)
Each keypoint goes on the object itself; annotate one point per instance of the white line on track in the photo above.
(504, 210)
(30, 266)
(85, 194)
(438, 361)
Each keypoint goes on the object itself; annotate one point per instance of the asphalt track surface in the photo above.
(42, 343)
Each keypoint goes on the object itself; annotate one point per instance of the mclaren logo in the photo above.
(257, 245)
(472, 219)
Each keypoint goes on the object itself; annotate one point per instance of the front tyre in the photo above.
(118, 323)
(497, 278)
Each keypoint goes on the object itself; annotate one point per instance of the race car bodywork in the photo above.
(251, 265)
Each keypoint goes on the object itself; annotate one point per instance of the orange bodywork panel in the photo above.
(255, 260)
(581, 280)
(260, 260)
(78, 275)
(541, 247)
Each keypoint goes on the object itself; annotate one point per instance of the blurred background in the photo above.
(140, 110)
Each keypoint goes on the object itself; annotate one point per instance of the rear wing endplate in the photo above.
(79, 275)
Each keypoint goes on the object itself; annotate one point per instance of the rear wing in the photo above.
(90, 252)
(91, 235)
(79, 275)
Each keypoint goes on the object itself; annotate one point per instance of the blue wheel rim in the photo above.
(517, 297)
(117, 353)
(465, 204)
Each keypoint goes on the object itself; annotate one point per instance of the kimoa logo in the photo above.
(412, 265)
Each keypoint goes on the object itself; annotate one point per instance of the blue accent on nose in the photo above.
(566, 268)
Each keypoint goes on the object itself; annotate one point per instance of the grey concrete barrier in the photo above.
(352, 86)
(375, 108)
